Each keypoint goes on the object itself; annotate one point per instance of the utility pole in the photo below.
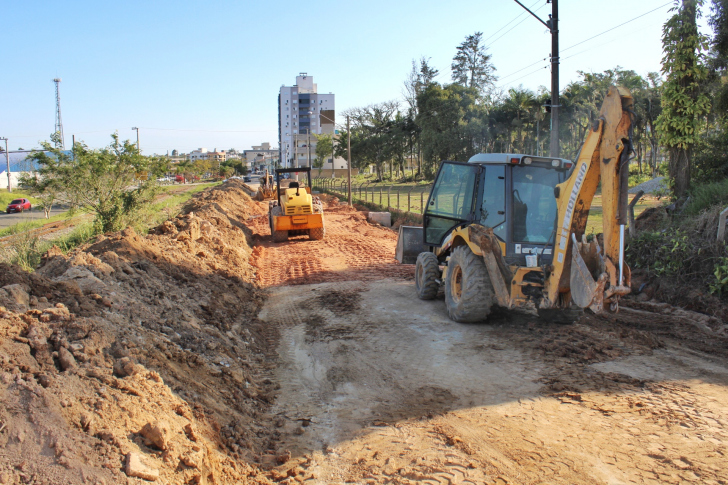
(553, 25)
(137, 130)
(7, 161)
(348, 152)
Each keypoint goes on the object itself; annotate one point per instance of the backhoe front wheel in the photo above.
(468, 290)
(427, 272)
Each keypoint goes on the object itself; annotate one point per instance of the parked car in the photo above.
(179, 178)
(18, 205)
(246, 179)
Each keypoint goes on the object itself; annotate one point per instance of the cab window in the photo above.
(493, 207)
(534, 204)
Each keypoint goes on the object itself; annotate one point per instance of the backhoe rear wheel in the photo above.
(427, 272)
(468, 290)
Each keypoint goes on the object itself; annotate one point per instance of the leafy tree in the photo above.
(471, 66)
(114, 183)
(45, 189)
(238, 165)
(684, 106)
(324, 149)
(185, 169)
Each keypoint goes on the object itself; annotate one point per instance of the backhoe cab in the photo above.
(508, 229)
(295, 212)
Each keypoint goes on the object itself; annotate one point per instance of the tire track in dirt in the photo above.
(353, 249)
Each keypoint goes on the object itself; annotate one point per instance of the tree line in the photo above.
(679, 113)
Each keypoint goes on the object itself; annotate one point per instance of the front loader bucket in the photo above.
(410, 243)
(586, 263)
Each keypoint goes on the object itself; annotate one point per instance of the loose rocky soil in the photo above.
(204, 353)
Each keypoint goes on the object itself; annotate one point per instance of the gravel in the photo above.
(651, 186)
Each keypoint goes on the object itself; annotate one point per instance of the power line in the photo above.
(509, 23)
(616, 27)
(525, 75)
(210, 131)
(519, 23)
(523, 69)
(578, 43)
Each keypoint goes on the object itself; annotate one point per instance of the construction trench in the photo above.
(205, 353)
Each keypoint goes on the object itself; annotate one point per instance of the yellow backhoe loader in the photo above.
(295, 212)
(508, 229)
(267, 187)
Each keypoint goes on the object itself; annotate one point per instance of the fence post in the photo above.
(632, 203)
(389, 197)
(409, 198)
(721, 224)
(381, 187)
(398, 191)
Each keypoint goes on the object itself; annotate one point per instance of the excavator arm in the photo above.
(584, 272)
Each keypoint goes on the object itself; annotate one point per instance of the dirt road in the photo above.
(379, 387)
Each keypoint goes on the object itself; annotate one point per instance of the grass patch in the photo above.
(32, 224)
(167, 206)
(28, 248)
(6, 197)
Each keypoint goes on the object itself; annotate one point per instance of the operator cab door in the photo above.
(452, 200)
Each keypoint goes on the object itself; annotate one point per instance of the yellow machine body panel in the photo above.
(297, 211)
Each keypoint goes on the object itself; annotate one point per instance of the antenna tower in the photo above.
(59, 124)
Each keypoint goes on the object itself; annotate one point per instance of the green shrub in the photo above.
(720, 286)
(704, 196)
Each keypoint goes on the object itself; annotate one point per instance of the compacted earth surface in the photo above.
(204, 353)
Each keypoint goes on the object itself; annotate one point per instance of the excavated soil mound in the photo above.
(139, 356)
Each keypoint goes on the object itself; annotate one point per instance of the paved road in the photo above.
(7, 220)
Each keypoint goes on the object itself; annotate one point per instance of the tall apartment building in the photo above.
(303, 112)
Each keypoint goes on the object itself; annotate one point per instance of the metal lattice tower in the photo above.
(59, 123)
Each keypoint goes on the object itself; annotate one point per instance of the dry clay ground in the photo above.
(203, 353)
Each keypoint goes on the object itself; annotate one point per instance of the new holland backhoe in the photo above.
(508, 229)
(295, 212)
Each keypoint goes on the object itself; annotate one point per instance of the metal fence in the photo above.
(400, 197)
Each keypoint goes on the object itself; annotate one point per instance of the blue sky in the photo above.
(207, 74)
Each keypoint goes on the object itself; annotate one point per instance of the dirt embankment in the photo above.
(139, 356)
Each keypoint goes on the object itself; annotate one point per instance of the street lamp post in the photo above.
(7, 161)
(137, 130)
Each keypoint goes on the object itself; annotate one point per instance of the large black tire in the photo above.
(278, 236)
(427, 272)
(318, 233)
(468, 290)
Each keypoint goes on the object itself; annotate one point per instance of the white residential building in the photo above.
(199, 154)
(261, 155)
(303, 112)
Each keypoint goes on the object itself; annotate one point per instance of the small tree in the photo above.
(44, 189)
(471, 66)
(114, 183)
(684, 106)
(324, 149)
